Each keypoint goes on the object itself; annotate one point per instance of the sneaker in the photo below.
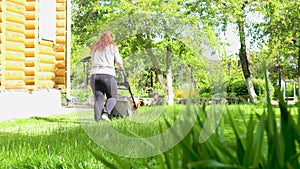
(105, 117)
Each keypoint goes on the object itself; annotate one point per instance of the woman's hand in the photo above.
(120, 65)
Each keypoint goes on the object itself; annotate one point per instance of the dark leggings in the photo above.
(103, 84)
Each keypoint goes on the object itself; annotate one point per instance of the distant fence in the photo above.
(228, 100)
(149, 101)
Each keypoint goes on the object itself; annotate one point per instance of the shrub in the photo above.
(82, 94)
(259, 87)
(239, 88)
(290, 90)
(205, 95)
(186, 93)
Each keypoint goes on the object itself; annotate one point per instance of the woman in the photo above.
(104, 54)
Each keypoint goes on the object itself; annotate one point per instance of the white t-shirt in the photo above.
(103, 62)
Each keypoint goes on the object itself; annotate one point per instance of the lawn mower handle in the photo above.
(126, 84)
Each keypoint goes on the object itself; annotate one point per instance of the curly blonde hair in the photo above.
(105, 40)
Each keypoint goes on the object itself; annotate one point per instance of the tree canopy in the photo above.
(159, 29)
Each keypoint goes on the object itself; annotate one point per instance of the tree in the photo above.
(219, 14)
(281, 27)
(87, 11)
(93, 15)
(243, 52)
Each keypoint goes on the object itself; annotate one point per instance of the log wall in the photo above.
(25, 61)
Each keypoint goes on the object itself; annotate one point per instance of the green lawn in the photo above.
(60, 142)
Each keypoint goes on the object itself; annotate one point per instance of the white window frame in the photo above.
(47, 20)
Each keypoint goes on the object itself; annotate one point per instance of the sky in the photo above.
(231, 34)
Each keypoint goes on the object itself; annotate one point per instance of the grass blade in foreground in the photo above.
(107, 163)
(211, 164)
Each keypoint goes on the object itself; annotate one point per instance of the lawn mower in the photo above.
(125, 105)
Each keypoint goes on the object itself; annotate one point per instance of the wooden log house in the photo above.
(28, 58)
(34, 54)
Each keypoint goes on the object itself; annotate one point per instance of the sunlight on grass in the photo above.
(60, 142)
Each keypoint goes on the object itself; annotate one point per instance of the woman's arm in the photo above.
(118, 58)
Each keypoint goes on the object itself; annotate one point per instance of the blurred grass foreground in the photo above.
(247, 136)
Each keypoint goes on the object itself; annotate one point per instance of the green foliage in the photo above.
(272, 35)
(259, 86)
(259, 142)
(290, 89)
(204, 88)
(205, 95)
(280, 143)
(82, 94)
(239, 88)
(186, 93)
(96, 16)
(281, 25)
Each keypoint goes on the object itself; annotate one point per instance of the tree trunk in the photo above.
(180, 77)
(244, 59)
(170, 98)
(156, 70)
(298, 71)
